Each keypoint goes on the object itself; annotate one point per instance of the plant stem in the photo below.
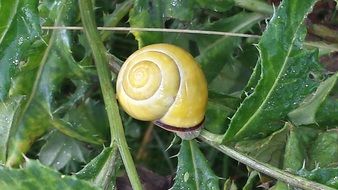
(276, 173)
(255, 5)
(101, 61)
(323, 32)
(323, 47)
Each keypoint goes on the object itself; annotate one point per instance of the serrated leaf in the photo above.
(242, 75)
(215, 52)
(324, 150)
(306, 113)
(269, 150)
(253, 80)
(312, 154)
(35, 176)
(193, 171)
(8, 109)
(284, 79)
(19, 28)
(327, 176)
(39, 78)
(111, 20)
(147, 14)
(82, 124)
(59, 150)
(297, 147)
(102, 170)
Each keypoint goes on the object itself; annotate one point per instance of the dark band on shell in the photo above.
(178, 129)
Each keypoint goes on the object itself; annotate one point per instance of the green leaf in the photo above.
(297, 147)
(252, 179)
(324, 150)
(253, 81)
(181, 10)
(193, 171)
(269, 150)
(312, 154)
(8, 109)
(81, 122)
(102, 170)
(39, 79)
(280, 186)
(230, 185)
(219, 6)
(306, 113)
(285, 73)
(20, 26)
(242, 75)
(59, 150)
(216, 116)
(147, 14)
(215, 52)
(35, 176)
(231, 101)
(327, 113)
(327, 176)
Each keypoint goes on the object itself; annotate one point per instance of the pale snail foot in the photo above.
(189, 135)
(183, 133)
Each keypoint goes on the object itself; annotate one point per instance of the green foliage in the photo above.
(60, 150)
(193, 171)
(37, 176)
(306, 113)
(327, 176)
(7, 113)
(277, 92)
(101, 171)
(269, 150)
(20, 27)
(39, 79)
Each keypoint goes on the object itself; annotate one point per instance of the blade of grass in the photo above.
(101, 61)
(256, 6)
(326, 48)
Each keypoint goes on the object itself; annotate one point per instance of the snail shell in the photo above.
(164, 84)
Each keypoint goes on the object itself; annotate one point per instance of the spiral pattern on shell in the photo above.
(163, 83)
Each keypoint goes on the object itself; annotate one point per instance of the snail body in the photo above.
(164, 84)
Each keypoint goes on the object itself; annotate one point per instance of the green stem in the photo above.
(255, 5)
(276, 173)
(101, 61)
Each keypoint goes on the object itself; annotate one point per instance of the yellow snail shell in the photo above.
(164, 84)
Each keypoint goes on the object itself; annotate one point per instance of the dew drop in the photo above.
(186, 177)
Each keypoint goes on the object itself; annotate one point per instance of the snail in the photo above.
(163, 83)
